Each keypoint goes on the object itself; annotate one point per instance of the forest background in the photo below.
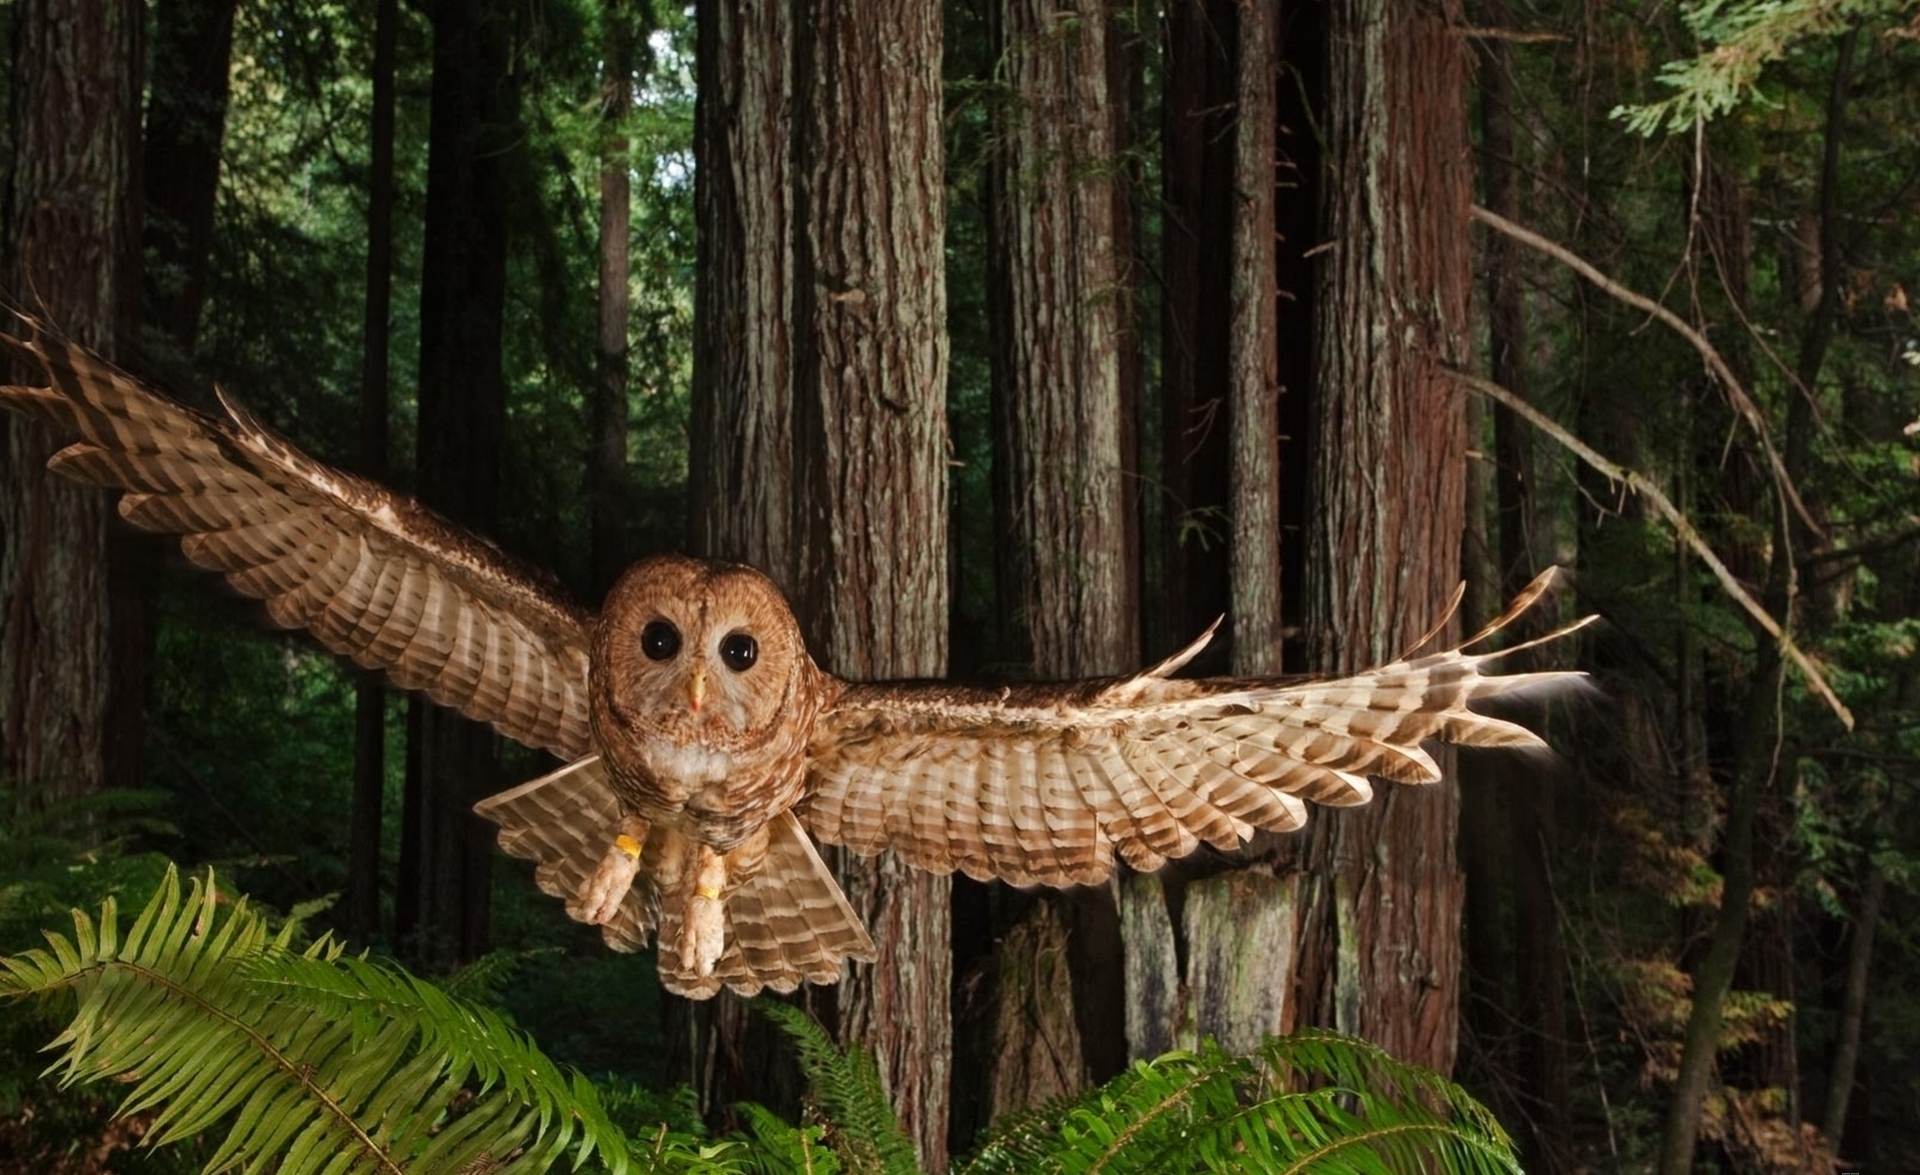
(1020, 340)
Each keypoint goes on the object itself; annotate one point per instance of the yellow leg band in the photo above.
(707, 892)
(627, 845)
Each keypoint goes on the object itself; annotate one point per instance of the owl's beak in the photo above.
(697, 688)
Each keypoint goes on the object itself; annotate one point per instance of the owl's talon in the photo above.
(599, 899)
(703, 933)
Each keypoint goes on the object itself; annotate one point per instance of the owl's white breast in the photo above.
(686, 768)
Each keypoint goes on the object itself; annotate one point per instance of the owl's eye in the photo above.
(659, 641)
(739, 651)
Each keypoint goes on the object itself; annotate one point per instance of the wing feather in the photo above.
(1046, 783)
(374, 575)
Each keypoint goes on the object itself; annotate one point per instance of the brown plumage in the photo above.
(703, 745)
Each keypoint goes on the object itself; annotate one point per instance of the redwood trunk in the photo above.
(1380, 947)
(870, 386)
(73, 254)
(1253, 380)
(742, 462)
(1062, 466)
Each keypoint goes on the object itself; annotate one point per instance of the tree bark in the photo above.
(362, 903)
(471, 146)
(73, 255)
(1253, 351)
(871, 498)
(1380, 946)
(742, 460)
(608, 477)
(1062, 467)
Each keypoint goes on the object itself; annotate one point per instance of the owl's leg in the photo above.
(599, 899)
(703, 933)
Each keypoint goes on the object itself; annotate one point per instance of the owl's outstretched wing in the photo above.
(1043, 784)
(373, 575)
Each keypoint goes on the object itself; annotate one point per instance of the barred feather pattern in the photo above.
(1044, 784)
(1048, 784)
(375, 576)
(787, 921)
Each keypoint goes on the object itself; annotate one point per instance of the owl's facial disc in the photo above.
(698, 653)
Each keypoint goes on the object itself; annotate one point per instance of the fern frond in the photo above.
(313, 1060)
(1315, 1101)
(779, 1147)
(863, 1130)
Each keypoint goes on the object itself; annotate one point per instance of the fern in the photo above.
(1211, 1111)
(315, 1061)
(863, 1132)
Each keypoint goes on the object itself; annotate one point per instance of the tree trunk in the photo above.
(73, 254)
(362, 912)
(1853, 1009)
(1061, 470)
(186, 121)
(1196, 250)
(871, 464)
(608, 475)
(742, 461)
(1253, 351)
(1380, 937)
(471, 146)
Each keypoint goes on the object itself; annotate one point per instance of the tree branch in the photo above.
(1682, 526)
(1736, 393)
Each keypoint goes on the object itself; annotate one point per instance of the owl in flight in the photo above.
(704, 750)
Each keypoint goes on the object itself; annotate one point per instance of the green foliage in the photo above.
(1314, 1101)
(1743, 38)
(311, 1060)
(862, 1131)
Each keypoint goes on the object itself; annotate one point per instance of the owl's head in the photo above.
(698, 652)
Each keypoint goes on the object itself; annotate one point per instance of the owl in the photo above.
(704, 752)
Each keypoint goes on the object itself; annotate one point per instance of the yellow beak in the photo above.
(697, 688)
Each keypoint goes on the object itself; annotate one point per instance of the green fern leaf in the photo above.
(312, 1060)
(863, 1131)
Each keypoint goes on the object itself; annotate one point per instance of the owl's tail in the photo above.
(786, 922)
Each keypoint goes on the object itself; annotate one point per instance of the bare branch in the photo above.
(1682, 527)
(1736, 392)
(1515, 36)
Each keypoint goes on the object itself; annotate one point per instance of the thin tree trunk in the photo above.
(1537, 959)
(475, 108)
(1253, 351)
(1196, 246)
(1853, 1009)
(1756, 763)
(1061, 466)
(609, 470)
(871, 461)
(73, 254)
(362, 911)
(186, 120)
(1380, 948)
